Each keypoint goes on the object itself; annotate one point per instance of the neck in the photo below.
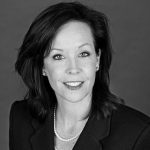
(71, 113)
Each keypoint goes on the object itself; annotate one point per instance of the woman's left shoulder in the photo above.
(128, 120)
(131, 126)
(129, 115)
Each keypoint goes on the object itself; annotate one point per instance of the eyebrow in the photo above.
(84, 45)
(56, 49)
(78, 47)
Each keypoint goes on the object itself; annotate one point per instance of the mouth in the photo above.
(73, 85)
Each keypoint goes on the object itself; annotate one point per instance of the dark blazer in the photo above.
(126, 129)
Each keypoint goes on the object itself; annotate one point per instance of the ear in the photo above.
(43, 72)
(98, 57)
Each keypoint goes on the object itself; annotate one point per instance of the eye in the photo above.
(84, 54)
(58, 57)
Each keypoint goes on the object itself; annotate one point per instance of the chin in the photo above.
(76, 98)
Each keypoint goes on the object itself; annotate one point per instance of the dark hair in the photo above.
(36, 46)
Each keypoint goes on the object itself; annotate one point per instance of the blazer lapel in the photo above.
(43, 138)
(95, 130)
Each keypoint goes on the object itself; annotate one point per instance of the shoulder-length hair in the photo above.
(37, 44)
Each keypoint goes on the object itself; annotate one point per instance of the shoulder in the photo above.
(19, 105)
(20, 127)
(130, 116)
(130, 126)
(19, 111)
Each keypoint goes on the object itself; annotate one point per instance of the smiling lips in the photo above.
(73, 85)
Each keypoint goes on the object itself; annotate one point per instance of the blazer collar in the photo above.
(43, 136)
(94, 131)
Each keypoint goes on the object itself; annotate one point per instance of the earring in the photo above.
(97, 67)
(44, 73)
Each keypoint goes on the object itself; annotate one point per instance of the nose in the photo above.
(73, 67)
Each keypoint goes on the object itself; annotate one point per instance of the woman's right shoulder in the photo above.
(20, 109)
(19, 105)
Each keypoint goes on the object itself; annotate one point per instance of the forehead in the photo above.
(73, 33)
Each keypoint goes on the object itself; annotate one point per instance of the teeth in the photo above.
(73, 83)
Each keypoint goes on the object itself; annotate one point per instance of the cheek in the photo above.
(55, 72)
(89, 68)
(53, 78)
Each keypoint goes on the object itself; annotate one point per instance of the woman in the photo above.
(64, 61)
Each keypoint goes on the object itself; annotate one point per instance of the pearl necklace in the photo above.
(58, 136)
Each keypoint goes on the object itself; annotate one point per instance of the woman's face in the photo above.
(71, 63)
